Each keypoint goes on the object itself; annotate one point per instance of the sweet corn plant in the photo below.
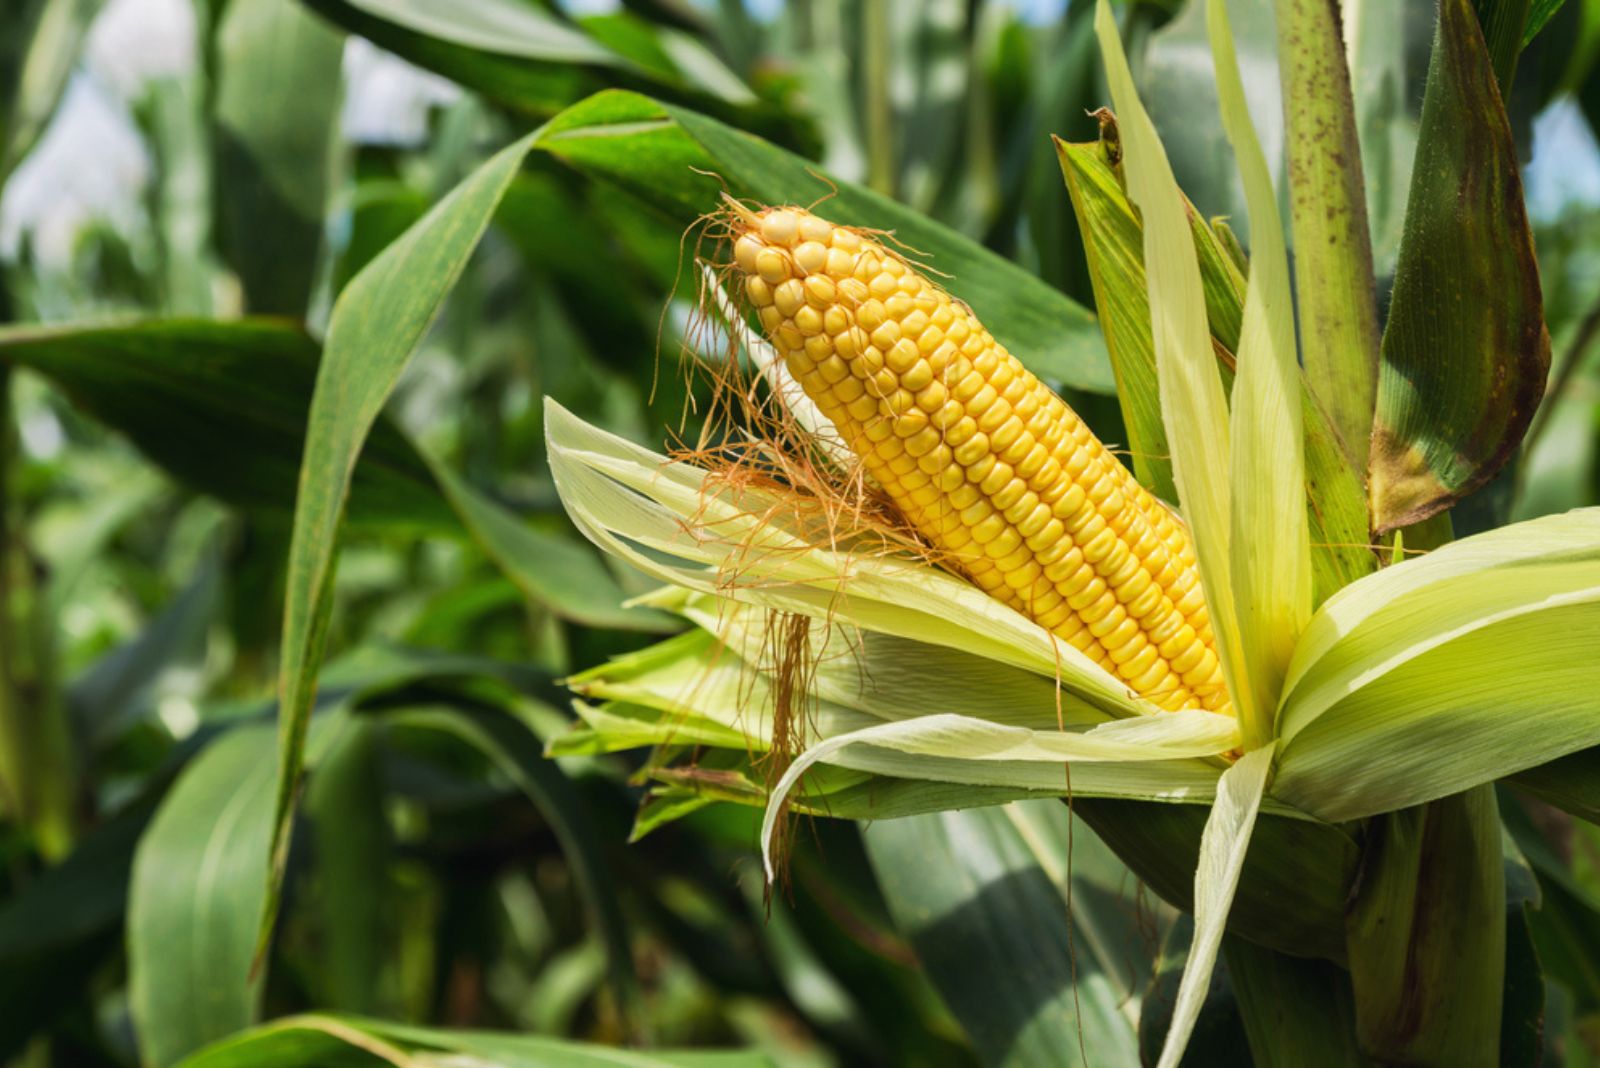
(1017, 540)
(1018, 666)
(1323, 674)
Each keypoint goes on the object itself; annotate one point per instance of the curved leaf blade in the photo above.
(1039, 965)
(1465, 353)
(654, 150)
(377, 324)
(193, 898)
(222, 407)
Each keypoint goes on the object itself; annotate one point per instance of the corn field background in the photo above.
(482, 204)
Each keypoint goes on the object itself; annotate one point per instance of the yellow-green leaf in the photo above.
(1271, 551)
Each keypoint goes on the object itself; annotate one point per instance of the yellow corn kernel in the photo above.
(986, 461)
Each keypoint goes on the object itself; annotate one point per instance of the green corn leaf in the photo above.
(37, 57)
(222, 407)
(679, 162)
(551, 569)
(1540, 12)
(350, 831)
(1222, 853)
(1271, 550)
(1336, 506)
(377, 323)
(1335, 289)
(313, 1041)
(193, 898)
(1465, 352)
(1444, 672)
(515, 751)
(1293, 889)
(1193, 404)
(535, 61)
(63, 926)
(1037, 951)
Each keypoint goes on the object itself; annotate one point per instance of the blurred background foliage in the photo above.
(187, 186)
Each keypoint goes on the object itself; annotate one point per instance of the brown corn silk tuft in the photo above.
(996, 476)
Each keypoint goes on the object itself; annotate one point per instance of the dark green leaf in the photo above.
(1034, 950)
(518, 755)
(655, 150)
(534, 61)
(1540, 12)
(1571, 783)
(350, 839)
(1465, 352)
(56, 929)
(1504, 25)
(552, 570)
(1292, 892)
(222, 406)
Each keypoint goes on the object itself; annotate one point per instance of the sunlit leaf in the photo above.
(1271, 552)
(1222, 851)
(1447, 671)
(376, 325)
(1193, 404)
(1024, 921)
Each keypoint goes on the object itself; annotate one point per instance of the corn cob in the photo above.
(984, 460)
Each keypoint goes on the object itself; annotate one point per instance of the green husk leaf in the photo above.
(1297, 1013)
(1172, 736)
(1441, 673)
(1222, 853)
(1193, 404)
(1336, 499)
(694, 689)
(1335, 287)
(745, 545)
(1427, 935)
(1271, 551)
(1465, 352)
(1113, 239)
